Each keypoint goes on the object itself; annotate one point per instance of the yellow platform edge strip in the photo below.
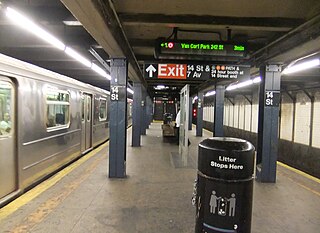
(36, 191)
(315, 179)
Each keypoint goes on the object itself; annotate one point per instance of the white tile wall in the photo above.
(316, 122)
(241, 114)
(286, 121)
(255, 110)
(205, 113)
(231, 115)
(247, 123)
(302, 119)
(226, 113)
(236, 115)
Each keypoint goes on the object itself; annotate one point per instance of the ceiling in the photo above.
(274, 31)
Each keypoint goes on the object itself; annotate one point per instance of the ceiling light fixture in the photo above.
(194, 99)
(238, 85)
(100, 71)
(130, 91)
(302, 66)
(30, 26)
(210, 93)
(72, 22)
(74, 54)
(160, 87)
(244, 84)
(256, 79)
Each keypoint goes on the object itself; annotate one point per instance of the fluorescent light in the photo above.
(244, 84)
(239, 85)
(194, 99)
(302, 66)
(74, 54)
(30, 26)
(72, 23)
(160, 87)
(100, 71)
(210, 93)
(129, 90)
(256, 79)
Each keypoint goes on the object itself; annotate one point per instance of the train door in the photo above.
(86, 137)
(8, 166)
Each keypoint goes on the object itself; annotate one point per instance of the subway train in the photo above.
(46, 121)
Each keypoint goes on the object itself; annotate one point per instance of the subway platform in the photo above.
(155, 197)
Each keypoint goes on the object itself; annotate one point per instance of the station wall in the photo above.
(299, 124)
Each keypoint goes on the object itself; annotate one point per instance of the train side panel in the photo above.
(100, 119)
(43, 147)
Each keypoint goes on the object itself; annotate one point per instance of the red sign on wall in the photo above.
(196, 71)
(172, 71)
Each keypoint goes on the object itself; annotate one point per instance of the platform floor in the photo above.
(155, 197)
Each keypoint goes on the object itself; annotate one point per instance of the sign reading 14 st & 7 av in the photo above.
(195, 71)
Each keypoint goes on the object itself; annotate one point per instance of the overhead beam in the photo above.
(213, 22)
(301, 41)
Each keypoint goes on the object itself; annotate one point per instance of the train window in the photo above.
(89, 108)
(103, 109)
(6, 108)
(82, 108)
(58, 114)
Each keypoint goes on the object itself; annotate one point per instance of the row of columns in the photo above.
(269, 96)
(269, 99)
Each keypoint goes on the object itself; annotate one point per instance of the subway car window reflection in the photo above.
(6, 90)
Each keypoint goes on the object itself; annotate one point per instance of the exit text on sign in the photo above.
(172, 71)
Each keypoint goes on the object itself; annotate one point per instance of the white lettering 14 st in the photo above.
(269, 98)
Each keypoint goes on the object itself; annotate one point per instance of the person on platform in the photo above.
(177, 127)
(177, 130)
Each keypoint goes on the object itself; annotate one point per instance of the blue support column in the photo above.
(143, 113)
(136, 114)
(218, 111)
(149, 111)
(199, 115)
(190, 114)
(269, 99)
(118, 118)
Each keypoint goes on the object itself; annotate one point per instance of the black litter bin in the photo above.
(224, 186)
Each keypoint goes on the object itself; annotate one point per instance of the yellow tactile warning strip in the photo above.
(301, 174)
(48, 206)
(28, 196)
(157, 121)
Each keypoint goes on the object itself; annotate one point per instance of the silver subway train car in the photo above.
(46, 121)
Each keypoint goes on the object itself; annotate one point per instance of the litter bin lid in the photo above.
(226, 158)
